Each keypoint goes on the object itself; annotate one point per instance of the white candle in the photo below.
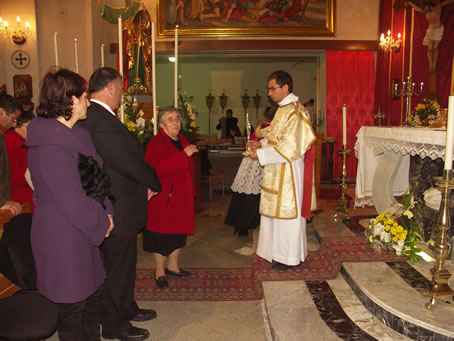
(176, 67)
(449, 134)
(120, 61)
(76, 55)
(153, 76)
(56, 49)
(102, 55)
(344, 125)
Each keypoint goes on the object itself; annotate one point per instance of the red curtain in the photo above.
(350, 80)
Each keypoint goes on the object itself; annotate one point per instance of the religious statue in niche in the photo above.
(137, 38)
(434, 33)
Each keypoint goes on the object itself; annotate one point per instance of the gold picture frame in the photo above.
(242, 18)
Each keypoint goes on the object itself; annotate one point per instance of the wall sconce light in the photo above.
(18, 33)
(388, 43)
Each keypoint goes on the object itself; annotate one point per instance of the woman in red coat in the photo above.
(171, 212)
(21, 192)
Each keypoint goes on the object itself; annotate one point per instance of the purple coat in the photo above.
(68, 226)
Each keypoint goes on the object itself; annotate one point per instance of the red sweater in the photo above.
(17, 156)
(172, 210)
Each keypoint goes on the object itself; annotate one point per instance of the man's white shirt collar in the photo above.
(103, 105)
(291, 98)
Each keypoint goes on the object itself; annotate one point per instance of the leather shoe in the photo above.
(279, 266)
(144, 315)
(130, 334)
(182, 273)
(162, 282)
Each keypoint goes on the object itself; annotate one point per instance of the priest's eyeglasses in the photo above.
(172, 119)
(274, 88)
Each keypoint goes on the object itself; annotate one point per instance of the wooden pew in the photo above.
(6, 287)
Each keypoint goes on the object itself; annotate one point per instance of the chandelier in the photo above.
(18, 33)
(388, 43)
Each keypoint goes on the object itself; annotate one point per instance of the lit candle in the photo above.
(344, 125)
(76, 55)
(120, 61)
(449, 134)
(102, 55)
(153, 76)
(176, 67)
(56, 49)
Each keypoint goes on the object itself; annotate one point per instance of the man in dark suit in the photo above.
(133, 182)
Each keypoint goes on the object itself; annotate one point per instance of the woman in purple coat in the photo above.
(72, 212)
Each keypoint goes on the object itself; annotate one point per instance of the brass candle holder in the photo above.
(209, 101)
(341, 211)
(438, 288)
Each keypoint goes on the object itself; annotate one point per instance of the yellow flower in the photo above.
(409, 214)
(395, 238)
(193, 124)
(420, 106)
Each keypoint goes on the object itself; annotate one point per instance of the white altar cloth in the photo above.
(377, 145)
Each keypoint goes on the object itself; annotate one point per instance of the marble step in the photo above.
(325, 310)
(392, 291)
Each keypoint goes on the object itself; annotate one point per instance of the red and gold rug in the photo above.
(235, 284)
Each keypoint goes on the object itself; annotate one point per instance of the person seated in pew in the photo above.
(10, 110)
(15, 138)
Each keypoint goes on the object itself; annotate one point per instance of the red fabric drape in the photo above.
(350, 80)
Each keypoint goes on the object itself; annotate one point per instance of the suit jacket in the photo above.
(125, 165)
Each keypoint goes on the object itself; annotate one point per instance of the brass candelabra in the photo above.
(341, 211)
(257, 99)
(223, 101)
(407, 90)
(438, 288)
(209, 101)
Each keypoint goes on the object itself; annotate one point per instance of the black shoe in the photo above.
(130, 334)
(279, 266)
(182, 273)
(162, 282)
(144, 315)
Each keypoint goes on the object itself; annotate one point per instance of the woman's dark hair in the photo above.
(55, 99)
(101, 78)
(95, 181)
(270, 112)
(24, 117)
(282, 78)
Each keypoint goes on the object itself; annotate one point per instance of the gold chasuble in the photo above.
(291, 135)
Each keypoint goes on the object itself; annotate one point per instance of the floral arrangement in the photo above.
(188, 114)
(396, 229)
(424, 113)
(134, 120)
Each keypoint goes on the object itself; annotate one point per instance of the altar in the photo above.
(392, 159)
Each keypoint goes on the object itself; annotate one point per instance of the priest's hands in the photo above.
(253, 146)
(109, 230)
(190, 149)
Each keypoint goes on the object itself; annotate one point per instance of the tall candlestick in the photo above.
(176, 67)
(449, 134)
(76, 55)
(102, 55)
(153, 76)
(344, 124)
(120, 61)
(56, 49)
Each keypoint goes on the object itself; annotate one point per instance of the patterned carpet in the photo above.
(208, 284)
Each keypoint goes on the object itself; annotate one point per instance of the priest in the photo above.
(287, 157)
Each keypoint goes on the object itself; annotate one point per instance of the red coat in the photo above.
(17, 156)
(172, 210)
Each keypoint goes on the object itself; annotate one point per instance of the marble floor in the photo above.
(338, 309)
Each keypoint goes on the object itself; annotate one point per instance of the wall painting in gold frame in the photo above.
(236, 18)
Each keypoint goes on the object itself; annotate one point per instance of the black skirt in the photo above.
(163, 243)
(243, 211)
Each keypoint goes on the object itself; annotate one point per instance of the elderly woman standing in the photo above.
(72, 212)
(171, 212)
